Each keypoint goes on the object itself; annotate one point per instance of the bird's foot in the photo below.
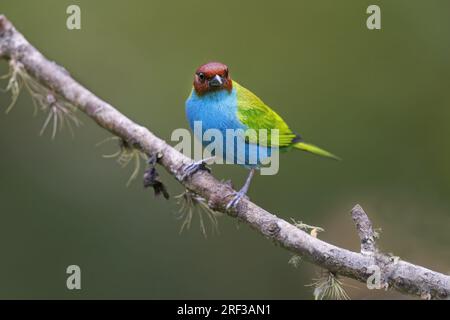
(237, 197)
(191, 168)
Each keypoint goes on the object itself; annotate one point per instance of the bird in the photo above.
(220, 103)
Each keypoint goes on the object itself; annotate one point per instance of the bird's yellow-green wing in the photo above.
(256, 115)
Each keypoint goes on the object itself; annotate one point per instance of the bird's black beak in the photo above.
(216, 82)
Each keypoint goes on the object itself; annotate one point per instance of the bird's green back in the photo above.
(255, 114)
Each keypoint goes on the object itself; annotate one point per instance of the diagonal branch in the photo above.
(401, 275)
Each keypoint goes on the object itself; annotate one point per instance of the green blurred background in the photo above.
(379, 99)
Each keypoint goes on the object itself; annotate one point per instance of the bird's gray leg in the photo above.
(237, 196)
(191, 168)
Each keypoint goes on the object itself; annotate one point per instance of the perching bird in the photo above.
(221, 103)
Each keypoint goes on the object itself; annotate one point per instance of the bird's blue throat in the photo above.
(216, 110)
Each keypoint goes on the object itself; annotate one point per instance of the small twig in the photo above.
(151, 177)
(365, 230)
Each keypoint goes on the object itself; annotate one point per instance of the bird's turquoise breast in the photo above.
(218, 110)
(215, 110)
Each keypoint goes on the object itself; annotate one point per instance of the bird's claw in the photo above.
(237, 197)
(193, 167)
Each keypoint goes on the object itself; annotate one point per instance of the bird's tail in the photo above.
(315, 150)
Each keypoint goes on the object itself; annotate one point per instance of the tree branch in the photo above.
(403, 276)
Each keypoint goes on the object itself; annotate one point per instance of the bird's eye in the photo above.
(201, 76)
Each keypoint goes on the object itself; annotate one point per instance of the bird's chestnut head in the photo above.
(210, 77)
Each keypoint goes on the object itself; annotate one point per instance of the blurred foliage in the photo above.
(379, 99)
